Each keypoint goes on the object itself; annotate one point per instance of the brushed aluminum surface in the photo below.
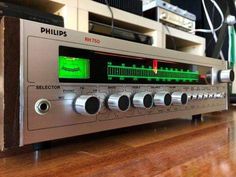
(39, 79)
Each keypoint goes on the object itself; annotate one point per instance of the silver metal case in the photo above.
(39, 80)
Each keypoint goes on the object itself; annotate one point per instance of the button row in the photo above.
(204, 96)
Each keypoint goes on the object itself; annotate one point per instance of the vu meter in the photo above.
(73, 68)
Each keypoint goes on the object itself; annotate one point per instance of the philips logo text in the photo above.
(53, 32)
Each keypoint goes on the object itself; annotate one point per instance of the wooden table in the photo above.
(172, 148)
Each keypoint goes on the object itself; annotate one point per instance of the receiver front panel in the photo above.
(41, 59)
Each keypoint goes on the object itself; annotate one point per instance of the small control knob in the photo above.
(87, 105)
(142, 100)
(195, 96)
(211, 95)
(118, 102)
(206, 95)
(190, 96)
(200, 96)
(179, 98)
(162, 99)
(225, 76)
(220, 95)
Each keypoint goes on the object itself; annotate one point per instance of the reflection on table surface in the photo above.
(177, 147)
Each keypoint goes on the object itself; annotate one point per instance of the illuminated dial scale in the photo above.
(115, 69)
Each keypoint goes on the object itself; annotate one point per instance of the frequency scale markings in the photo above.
(150, 73)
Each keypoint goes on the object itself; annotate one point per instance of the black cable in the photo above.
(112, 17)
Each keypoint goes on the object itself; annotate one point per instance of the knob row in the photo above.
(90, 105)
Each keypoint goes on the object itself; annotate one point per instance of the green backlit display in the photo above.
(73, 68)
(163, 74)
(78, 65)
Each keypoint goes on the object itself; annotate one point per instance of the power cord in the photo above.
(213, 31)
(221, 15)
(112, 17)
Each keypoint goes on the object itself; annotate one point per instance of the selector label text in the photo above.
(48, 87)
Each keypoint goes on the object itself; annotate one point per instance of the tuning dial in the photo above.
(118, 102)
(225, 76)
(87, 105)
(179, 98)
(142, 100)
(162, 99)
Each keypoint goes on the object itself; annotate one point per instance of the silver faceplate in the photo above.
(39, 80)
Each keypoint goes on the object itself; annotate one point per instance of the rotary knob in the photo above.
(225, 76)
(162, 99)
(87, 105)
(118, 102)
(179, 98)
(142, 100)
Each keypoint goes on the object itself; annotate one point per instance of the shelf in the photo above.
(183, 41)
(43, 5)
(77, 14)
(77, 17)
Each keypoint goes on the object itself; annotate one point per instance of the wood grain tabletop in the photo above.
(174, 148)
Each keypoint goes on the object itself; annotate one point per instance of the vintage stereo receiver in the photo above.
(169, 14)
(57, 83)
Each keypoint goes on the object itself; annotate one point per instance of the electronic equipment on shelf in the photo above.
(60, 83)
(132, 6)
(12, 10)
(120, 33)
(169, 14)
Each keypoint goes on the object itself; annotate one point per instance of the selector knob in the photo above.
(118, 102)
(162, 99)
(87, 105)
(179, 98)
(142, 100)
(225, 76)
